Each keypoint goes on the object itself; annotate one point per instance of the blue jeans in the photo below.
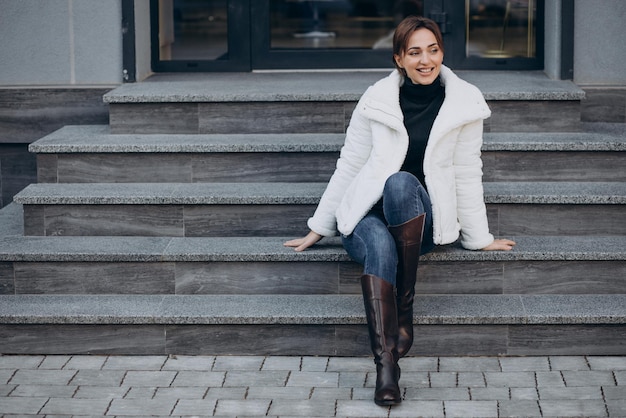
(372, 245)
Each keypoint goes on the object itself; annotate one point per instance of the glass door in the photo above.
(317, 34)
(244, 35)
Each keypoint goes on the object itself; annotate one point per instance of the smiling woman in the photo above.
(400, 188)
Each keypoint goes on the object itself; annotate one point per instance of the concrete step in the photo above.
(262, 265)
(261, 209)
(91, 154)
(308, 325)
(318, 102)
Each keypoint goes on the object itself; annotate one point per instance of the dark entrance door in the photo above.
(244, 35)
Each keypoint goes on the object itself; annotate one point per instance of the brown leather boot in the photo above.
(408, 237)
(382, 324)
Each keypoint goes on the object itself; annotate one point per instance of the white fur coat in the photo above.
(376, 145)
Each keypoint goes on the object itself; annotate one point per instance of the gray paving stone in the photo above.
(549, 379)
(51, 391)
(181, 392)
(407, 380)
(85, 363)
(616, 408)
(471, 379)
(5, 375)
(573, 393)
(314, 379)
(54, 362)
(65, 406)
(197, 378)
(443, 380)
(524, 394)
(24, 406)
(282, 363)
(141, 392)
(469, 364)
(572, 408)
(607, 363)
(20, 362)
(568, 363)
(195, 407)
(437, 394)
(331, 394)
(518, 408)
(98, 378)
(242, 408)
(614, 392)
(299, 393)
(352, 379)
(351, 364)
(306, 408)
(135, 362)
(42, 377)
(418, 408)
(523, 364)
(6, 389)
(361, 408)
(250, 363)
(149, 378)
(226, 393)
(314, 364)
(101, 392)
(189, 363)
(487, 394)
(620, 378)
(510, 379)
(419, 364)
(267, 378)
(588, 378)
(142, 406)
(464, 409)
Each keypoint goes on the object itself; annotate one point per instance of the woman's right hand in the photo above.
(302, 244)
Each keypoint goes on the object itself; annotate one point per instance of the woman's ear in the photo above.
(398, 60)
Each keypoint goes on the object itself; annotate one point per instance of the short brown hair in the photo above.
(405, 29)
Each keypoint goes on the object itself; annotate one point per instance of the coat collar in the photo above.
(463, 103)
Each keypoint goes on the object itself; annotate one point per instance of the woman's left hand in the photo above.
(500, 245)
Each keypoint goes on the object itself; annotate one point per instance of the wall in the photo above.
(60, 42)
(599, 42)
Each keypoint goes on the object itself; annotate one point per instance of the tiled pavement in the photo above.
(226, 386)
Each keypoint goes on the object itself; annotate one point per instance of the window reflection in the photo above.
(193, 30)
(333, 24)
(500, 28)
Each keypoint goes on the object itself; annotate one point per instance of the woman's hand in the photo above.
(302, 244)
(500, 245)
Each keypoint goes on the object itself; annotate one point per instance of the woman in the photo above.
(409, 177)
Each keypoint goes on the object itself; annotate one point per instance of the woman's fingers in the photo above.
(500, 245)
(302, 244)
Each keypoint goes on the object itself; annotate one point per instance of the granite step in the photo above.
(308, 324)
(262, 265)
(91, 154)
(319, 102)
(260, 209)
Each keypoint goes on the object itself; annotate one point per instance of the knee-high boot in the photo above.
(408, 237)
(382, 323)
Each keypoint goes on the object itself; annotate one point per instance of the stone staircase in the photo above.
(162, 232)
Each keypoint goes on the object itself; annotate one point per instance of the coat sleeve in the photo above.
(353, 156)
(471, 209)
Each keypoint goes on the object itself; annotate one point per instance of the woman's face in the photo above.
(422, 58)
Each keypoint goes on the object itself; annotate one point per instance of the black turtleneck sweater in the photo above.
(420, 105)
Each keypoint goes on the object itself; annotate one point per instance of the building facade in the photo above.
(60, 56)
